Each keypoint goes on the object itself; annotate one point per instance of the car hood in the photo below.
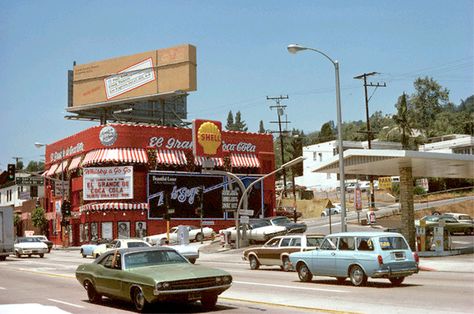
(295, 225)
(173, 272)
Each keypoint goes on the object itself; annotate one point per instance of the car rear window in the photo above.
(314, 241)
(464, 217)
(393, 243)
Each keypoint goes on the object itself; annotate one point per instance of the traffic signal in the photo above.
(66, 209)
(11, 172)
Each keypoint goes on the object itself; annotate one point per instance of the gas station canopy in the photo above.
(379, 162)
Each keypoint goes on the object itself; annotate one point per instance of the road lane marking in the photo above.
(305, 308)
(291, 287)
(66, 303)
(2, 288)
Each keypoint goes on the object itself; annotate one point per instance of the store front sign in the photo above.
(174, 143)
(71, 150)
(108, 183)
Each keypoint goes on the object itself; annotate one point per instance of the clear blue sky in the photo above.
(242, 56)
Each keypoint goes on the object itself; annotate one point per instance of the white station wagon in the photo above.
(358, 255)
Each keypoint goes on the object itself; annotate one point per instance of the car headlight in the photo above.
(227, 279)
(162, 285)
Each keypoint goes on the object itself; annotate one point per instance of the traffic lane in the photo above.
(21, 286)
(431, 289)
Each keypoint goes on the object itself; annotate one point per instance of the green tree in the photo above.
(261, 128)
(239, 124)
(230, 122)
(19, 165)
(427, 101)
(35, 166)
(327, 132)
(38, 218)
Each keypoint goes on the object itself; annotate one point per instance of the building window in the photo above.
(320, 156)
(334, 151)
(315, 154)
(328, 176)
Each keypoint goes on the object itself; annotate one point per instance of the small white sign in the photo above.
(246, 212)
(208, 223)
(244, 219)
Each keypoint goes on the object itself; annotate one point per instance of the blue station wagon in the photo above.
(358, 255)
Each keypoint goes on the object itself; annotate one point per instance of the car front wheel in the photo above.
(139, 300)
(209, 301)
(42, 255)
(254, 264)
(199, 237)
(92, 294)
(357, 275)
(304, 273)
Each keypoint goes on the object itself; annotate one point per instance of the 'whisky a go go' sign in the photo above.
(108, 183)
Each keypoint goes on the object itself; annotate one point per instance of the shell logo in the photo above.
(209, 137)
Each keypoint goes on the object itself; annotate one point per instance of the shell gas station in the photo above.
(144, 166)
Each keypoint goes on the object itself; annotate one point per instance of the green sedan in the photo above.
(151, 274)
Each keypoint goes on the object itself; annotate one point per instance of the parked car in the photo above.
(257, 231)
(147, 275)
(194, 234)
(88, 248)
(45, 240)
(275, 251)
(292, 227)
(458, 217)
(451, 224)
(287, 211)
(117, 244)
(358, 255)
(30, 246)
(332, 211)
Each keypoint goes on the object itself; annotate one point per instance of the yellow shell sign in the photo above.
(207, 138)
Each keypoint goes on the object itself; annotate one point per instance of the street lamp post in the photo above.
(294, 48)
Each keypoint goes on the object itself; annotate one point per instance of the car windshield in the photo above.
(281, 221)
(393, 243)
(28, 239)
(153, 258)
(138, 244)
(258, 224)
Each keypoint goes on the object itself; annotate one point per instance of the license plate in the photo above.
(194, 296)
(399, 255)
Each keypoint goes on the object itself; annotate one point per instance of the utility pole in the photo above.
(280, 109)
(369, 132)
(17, 159)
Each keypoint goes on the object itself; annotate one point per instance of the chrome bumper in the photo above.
(387, 273)
(220, 288)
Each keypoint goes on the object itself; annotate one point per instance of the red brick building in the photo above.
(128, 176)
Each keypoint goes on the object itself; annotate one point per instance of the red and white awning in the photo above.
(171, 157)
(244, 161)
(61, 167)
(218, 162)
(75, 163)
(136, 155)
(113, 206)
(51, 170)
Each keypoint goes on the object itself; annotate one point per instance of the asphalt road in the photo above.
(50, 281)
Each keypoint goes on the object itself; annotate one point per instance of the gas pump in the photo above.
(420, 238)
